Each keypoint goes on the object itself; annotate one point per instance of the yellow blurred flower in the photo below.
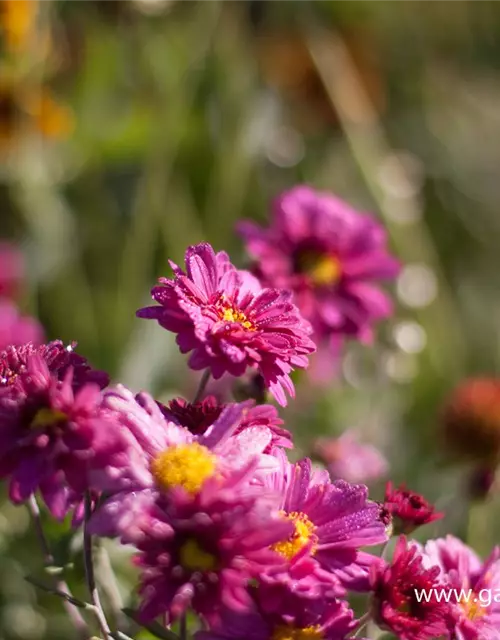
(27, 108)
(17, 20)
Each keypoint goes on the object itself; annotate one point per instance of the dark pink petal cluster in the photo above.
(199, 416)
(409, 510)
(229, 323)
(405, 600)
(52, 429)
(330, 256)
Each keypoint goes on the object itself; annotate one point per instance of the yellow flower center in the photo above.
(473, 608)
(194, 558)
(285, 632)
(304, 532)
(46, 417)
(186, 466)
(230, 314)
(324, 270)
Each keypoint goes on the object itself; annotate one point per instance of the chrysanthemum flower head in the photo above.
(409, 510)
(348, 458)
(199, 550)
(285, 618)
(330, 256)
(165, 455)
(332, 520)
(52, 432)
(398, 604)
(58, 358)
(471, 421)
(199, 416)
(16, 329)
(230, 323)
(474, 584)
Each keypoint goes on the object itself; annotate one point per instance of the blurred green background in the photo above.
(162, 123)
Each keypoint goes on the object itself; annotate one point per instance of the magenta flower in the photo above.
(347, 458)
(16, 329)
(52, 434)
(165, 455)
(330, 256)
(331, 520)
(229, 323)
(398, 605)
(285, 619)
(409, 510)
(476, 585)
(12, 270)
(200, 550)
(200, 416)
(58, 358)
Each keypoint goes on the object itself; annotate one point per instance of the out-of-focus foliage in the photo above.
(130, 129)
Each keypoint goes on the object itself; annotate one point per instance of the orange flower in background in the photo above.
(17, 20)
(287, 65)
(28, 108)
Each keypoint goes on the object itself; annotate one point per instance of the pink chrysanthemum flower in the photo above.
(198, 417)
(165, 455)
(58, 358)
(331, 520)
(230, 323)
(398, 605)
(330, 256)
(409, 510)
(287, 618)
(347, 458)
(52, 434)
(16, 329)
(201, 550)
(12, 270)
(476, 586)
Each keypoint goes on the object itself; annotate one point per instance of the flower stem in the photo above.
(77, 620)
(183, 627)
(89, 572)
(202, 386)
(385, 549)
(362, 622)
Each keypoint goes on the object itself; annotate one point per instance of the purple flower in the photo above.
(330, 256)
(16, 329)
(230, 323)
(52, 435)
(347, 458)
(286, 618)
(164, 455)
(331, 520)
(200, 416)
(200, 550)
(476, 585)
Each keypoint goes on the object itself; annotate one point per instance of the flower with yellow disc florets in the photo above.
(332, 520)
(230, 323)
(163, 455)
(198, 550)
